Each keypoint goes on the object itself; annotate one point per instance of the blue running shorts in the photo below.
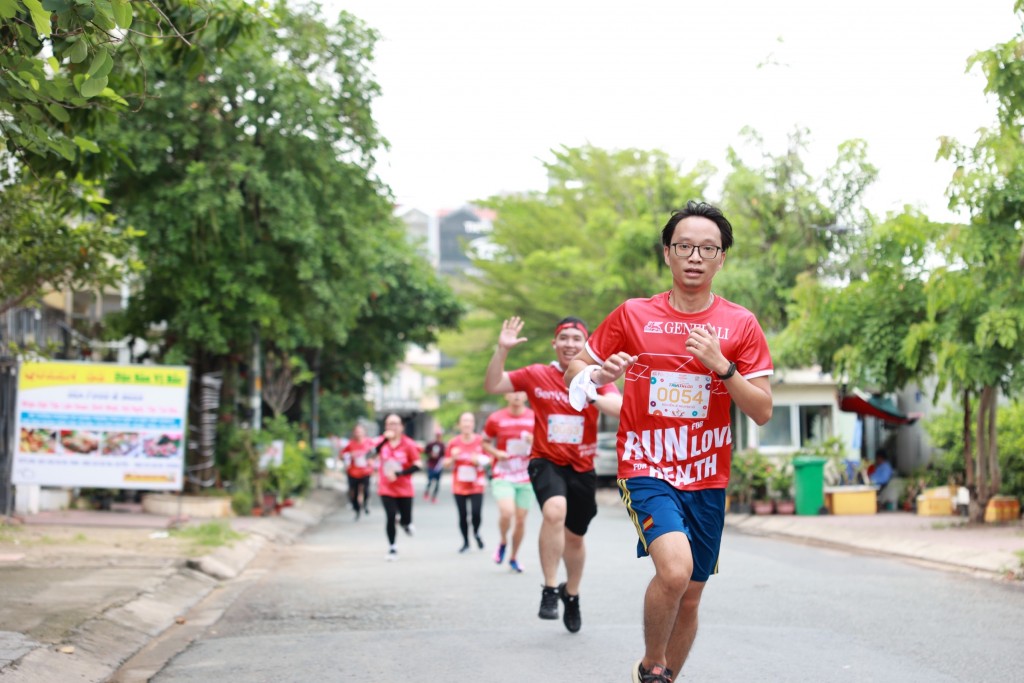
(657, 508)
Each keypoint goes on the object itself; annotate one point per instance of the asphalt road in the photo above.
(330, 608)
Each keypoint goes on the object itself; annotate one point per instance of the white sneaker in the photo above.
(409, 529)
(392, 555)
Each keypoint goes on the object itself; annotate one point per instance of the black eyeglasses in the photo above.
(685, 250)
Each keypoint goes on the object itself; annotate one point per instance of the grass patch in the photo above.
(210, 534)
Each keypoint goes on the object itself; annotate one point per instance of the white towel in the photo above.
(582, 389)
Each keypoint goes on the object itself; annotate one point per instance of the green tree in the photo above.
(934, 299)
(789, 223)
(53, 239)
(590, 241)
(859, 330)
(976, 302)
(65, 69)
(253, 179)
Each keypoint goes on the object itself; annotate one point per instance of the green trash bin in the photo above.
(810, 483)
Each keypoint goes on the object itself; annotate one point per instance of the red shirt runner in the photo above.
(357, 455)
(469, 465)
(560, 433)
(509, 433)
(675, 421)
(395, 459)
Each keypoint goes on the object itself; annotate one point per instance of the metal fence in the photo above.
(8, 395)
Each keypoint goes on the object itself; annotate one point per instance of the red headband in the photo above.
(573, 325)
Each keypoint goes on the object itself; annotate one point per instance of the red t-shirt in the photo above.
(675, 422)
(509, 433)
(469, 465)
(357, 457)
(395, 459)
(560, 433)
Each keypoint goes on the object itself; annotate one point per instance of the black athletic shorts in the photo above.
(578, 488)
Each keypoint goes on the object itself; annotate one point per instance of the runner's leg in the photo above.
(461, 503)
(551, 539)
(390, 510)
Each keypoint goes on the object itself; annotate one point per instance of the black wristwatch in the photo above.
(728, 373)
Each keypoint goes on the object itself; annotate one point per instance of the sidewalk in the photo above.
(994, 550)
(81, 591)
(991, 550)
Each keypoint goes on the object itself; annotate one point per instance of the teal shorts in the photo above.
(522, 492)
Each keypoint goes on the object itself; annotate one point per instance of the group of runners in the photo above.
(684, 357)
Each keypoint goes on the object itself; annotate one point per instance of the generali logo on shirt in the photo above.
(562, 396)
(675, 327)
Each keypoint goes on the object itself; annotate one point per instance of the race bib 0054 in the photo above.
(679, 394)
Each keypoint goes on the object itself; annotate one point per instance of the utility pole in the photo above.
(256, 382)
(314, 403)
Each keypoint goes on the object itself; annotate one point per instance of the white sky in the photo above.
(477, 92)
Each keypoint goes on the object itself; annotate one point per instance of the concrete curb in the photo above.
(99, 646)
(998, 564)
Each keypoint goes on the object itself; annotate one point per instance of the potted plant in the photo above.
(782, 488)
(748, 482)
(761, 472)
(740, 492)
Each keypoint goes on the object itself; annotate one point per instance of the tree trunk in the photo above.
(981, 461)
(969, 479)
(995, 474)
(987, 463)
(974, 511)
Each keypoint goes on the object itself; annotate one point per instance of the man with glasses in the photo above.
(399, 457)
(561, 466)
(685, 355)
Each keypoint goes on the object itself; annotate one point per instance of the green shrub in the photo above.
(238, 463)
(945, 431)
(242, 501)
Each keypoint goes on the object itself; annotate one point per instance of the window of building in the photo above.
(778, 431)
(795, 426)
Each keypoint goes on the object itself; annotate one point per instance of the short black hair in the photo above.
(570, 319)
(696, 208)
(573, 321)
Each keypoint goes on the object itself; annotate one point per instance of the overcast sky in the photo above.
(477, 92)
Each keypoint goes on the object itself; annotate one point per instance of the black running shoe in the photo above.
(548, 603)
(656, 674)
(571, 617)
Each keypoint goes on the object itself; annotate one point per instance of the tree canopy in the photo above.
(577, 249)
(67, 68)
(253, 180)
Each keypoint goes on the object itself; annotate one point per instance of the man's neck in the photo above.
(690, 302)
